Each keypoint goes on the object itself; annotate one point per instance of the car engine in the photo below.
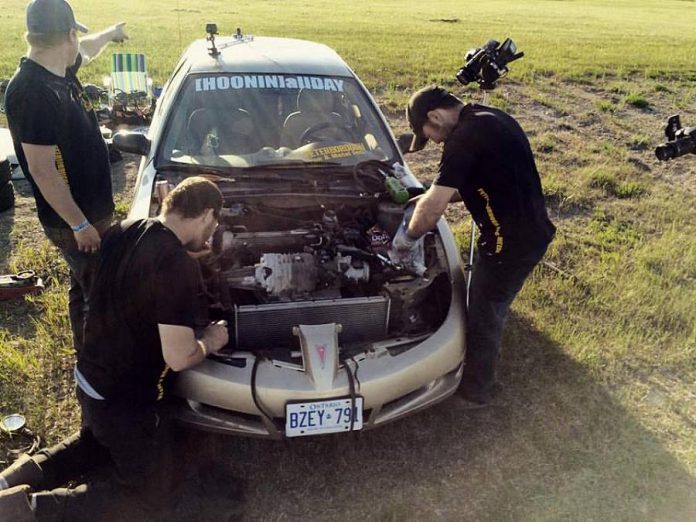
(278, 262)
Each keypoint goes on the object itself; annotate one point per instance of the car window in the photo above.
(244, 120)
(172, 84)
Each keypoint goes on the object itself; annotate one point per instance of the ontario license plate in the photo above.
(320, 417)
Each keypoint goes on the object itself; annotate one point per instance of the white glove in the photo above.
(408, 252)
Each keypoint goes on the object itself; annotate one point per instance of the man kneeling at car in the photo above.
(139, 332)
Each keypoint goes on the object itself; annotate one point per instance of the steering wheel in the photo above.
(309, 137)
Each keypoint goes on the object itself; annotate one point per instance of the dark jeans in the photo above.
(134, 441)
(494, 286)
(81, 266)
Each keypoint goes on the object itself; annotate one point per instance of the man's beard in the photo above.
(201, 242)
(195, 245)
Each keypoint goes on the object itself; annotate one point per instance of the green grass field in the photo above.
(598, 415)
(393, 44)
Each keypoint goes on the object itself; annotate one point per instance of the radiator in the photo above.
(364, 319)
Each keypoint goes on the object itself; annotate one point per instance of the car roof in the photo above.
(250, 54)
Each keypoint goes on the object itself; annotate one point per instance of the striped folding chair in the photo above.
(129, 76)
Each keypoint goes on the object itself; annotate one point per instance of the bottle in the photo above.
(396, 189)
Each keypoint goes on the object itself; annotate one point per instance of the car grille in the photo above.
(261, 327)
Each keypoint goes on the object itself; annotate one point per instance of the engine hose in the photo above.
(258, 358)
(368, 170)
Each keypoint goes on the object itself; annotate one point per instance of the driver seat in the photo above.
(313, 108)
(221, 128)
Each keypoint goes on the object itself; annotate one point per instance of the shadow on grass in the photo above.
(554, 445)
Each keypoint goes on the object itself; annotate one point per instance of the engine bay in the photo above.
(279, 261)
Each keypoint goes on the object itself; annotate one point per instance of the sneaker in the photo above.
(14, 504)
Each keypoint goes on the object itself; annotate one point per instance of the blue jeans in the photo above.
(82, 267)
(494, 286)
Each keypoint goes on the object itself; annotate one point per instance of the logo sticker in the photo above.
(336, 152)
(321, 351)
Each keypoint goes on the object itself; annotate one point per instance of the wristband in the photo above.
(79, 228)
(204, 350)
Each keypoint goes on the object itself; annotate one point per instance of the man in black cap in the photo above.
(488, 163)
(58, 142)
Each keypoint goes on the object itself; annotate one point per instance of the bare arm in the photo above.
(180, 348)
(92, 45)
(429, 209)
(42, 165)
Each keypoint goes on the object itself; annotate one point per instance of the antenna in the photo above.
(178, 20)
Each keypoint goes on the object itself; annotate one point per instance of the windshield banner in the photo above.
(336, 152)
(267, 81)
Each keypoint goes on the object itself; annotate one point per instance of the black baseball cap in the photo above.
(420, 104)
(52, 16)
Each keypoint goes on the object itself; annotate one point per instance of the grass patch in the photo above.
(641, 142)
(618, 87)
(121, 208)
(605, 106)
(629, 190)
(611, 186)
(637, 100)
(544, 143)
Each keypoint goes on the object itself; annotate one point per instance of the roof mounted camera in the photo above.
(212, 30)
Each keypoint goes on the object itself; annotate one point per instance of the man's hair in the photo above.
(449, 101)
(192, 197)
(46, 40)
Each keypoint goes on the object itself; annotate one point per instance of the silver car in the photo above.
(326, 334)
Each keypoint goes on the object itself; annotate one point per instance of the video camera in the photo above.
(681, 140)
(487, 64)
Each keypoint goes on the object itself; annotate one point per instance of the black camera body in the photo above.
(682, 140)
(487, 64)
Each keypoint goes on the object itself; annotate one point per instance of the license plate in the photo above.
(320, 417)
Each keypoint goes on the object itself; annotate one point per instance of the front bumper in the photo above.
(209, 418)
(420, 372)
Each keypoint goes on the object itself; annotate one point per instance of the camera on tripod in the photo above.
(487, 64)
(682, 140)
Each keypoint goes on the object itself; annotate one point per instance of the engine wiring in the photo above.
(258, 357)
(353, 395)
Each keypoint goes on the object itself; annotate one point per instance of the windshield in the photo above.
(251, 120)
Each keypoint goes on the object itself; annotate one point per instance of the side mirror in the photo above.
(133, 142)
(404, 142)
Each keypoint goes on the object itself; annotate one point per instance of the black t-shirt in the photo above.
(487, 158)
(144, 278)
(45, 109)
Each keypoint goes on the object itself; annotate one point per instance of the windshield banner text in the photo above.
(267, 81)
